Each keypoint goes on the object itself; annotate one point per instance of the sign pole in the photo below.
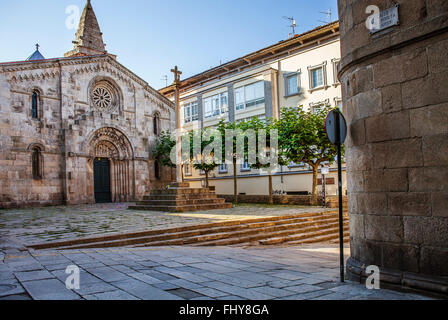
(341, 212)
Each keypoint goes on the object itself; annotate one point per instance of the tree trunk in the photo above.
(235, 182)
(206, 179)
(271, 196)
(314, 191)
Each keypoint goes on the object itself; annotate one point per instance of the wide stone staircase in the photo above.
(179, 197)
(283, 230)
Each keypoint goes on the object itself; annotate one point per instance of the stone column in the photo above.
(395, 98)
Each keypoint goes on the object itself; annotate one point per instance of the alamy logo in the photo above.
(73, 280)
(373, 21)
(373, 280)
(74, 15)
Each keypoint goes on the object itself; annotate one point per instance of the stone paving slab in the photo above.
(227, 273)
(50, 289)
(37, 225)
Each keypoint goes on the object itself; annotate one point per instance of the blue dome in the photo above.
(36, 55)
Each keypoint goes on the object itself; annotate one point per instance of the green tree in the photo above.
(222, 128)
(201, 161)
(303, 139)
(162, 149)
(259, 126)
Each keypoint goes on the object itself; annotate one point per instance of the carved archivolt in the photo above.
(110, 143)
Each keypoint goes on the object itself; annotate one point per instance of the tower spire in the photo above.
(89, 38)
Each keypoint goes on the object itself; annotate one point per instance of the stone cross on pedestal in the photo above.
(176, 83)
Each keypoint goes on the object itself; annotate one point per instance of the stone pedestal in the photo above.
(395, 98)
(179, 197)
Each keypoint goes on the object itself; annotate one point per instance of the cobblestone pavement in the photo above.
(191, 273)
(37, 225)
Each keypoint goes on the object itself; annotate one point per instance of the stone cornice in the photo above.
(72, 61)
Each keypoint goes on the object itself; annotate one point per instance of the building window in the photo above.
(335, 63)
(216, 105)
(156, 170)
(35, 105)
(318, 76)
(156, 124)
(261, 117)
(292, 84)
(36, 163)
(338, 103)
(187, 170)
(249, 96)
(315, 108)
(223, 168)
(191, 112)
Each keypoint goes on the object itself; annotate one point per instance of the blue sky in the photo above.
(150, 37)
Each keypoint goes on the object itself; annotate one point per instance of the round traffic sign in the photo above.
(336, 127)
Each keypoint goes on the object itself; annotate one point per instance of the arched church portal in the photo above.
(112, 164)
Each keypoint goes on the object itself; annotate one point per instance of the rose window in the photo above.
(102, 98)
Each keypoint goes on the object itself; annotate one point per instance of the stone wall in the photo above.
(332, 201)
(396, 104)
(71, 131)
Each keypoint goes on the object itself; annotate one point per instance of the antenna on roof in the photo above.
(165, 77)
(328, 14)
(293, 25)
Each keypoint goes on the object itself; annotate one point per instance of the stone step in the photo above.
(300, 238)
(180, 196)
(231, 238)
(204, 228)
(182, 191)
(207, 234)
(182, 208)
(332, 238)
(180, 202)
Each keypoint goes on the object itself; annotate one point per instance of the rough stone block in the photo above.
(391, 98)
(357, 224)
(434, 261)
(425, 91)
(440, 204)
(428, 179)
(390, 180)
(397, 154)
(372, 203)
(401, 68)
(431, 120)
(435, 150)
(382, 228)
(409, 204)
(386, 127)
(430, 231)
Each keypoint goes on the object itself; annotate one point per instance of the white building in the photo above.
(298, 71)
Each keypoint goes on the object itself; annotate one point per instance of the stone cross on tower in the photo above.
(177, 74)
(176, 83)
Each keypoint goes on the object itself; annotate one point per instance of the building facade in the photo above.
(396, 105)
(298, 71)
(78, 129)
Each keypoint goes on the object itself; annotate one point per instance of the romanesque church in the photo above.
(78, 129)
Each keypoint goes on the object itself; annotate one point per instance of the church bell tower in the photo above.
(89, 38)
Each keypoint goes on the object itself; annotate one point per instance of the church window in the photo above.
(156, 124)
(35, 105)
(36, 163)
(102, 98)
(156, 170)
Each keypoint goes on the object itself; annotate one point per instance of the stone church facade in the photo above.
(78, 129)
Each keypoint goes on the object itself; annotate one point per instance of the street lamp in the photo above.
(325, 170)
